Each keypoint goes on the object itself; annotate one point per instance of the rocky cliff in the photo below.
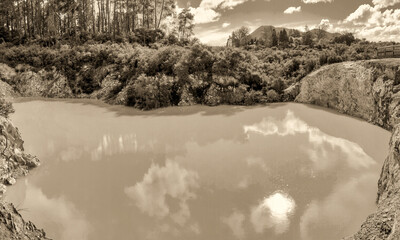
(13, 164)
(369, 90)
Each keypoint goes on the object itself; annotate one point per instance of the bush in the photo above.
(151, 92)
(6, 108)
(347, 38)
(252, 97)
(273, 96)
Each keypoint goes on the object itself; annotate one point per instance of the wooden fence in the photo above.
(389, 51)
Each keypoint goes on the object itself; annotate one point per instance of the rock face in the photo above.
(42, 84)
(369, 90)
(12, 226)
(13, 164)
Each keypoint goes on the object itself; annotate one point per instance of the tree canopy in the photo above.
(82, 19)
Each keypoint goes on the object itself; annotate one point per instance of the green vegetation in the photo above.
(79, 21)
(142, 54)
(164, 75)
(6, 108)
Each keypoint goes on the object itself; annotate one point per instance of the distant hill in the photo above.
(265, 33)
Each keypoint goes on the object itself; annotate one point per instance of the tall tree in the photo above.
(274, 38)
(186, 24)
(283, 38)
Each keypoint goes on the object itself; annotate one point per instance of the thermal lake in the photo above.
(282, 171)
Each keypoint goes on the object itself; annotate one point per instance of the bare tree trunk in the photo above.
(114, 18)
(155, 14)
(127, 18)
(108, 16)
(161, 13)
(93, 18)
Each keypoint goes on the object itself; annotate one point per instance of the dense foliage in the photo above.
(80, 21)
(6, 108)
(170, 75)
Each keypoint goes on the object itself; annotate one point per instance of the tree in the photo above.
(240, 37)
(307, 37)
(347, 38)
(274, 38)
(185, 25)
(283, 38)
(76, 20)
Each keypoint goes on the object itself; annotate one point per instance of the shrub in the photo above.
(252, 97)
(273, 96)
(6, 108)
(151, 92)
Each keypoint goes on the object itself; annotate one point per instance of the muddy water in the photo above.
(285, 171)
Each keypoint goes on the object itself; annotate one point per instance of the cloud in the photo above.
(363, 15)
(292, 10)
(273, 213)
(208, 10)
(354, 155)
(325, 24)
(202, 15)
(316, 1)
(373, 23)
(159, 182)
(235, 223)
(385, 3)
(224, 25)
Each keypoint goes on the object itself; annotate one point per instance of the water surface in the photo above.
(286, 171)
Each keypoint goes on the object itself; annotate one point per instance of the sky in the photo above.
(375, 20)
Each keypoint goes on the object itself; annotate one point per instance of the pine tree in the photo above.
(274, 38)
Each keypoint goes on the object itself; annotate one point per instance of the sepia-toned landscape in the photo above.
(200, 119)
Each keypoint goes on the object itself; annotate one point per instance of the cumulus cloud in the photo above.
(235, 223)
(326, 24)
(273, 213)
(364, 14)
(159, 182)
(316, 1)
(373, 23)
(204, 15)
(207, 11)
(354, 155)
(385, 3)
(292, 10)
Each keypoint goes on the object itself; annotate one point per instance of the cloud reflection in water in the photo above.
(159, 182)
(235, 222)
(110, 145)
(354, 155)
(72, 224)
